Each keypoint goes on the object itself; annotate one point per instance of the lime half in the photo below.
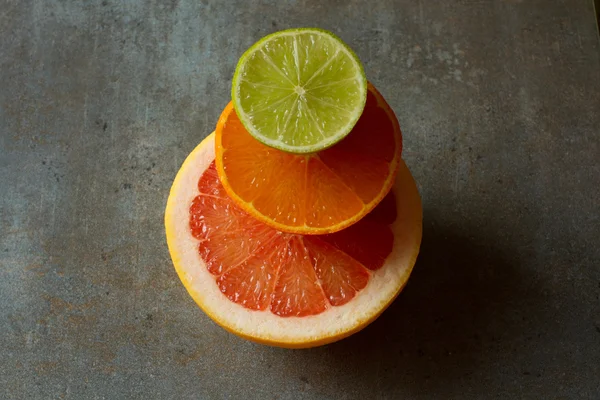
(299, 90)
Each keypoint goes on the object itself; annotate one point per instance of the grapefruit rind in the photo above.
(262, 326)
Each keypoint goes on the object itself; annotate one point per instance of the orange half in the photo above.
(317, 193)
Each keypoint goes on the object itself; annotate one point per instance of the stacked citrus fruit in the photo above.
(296, 223)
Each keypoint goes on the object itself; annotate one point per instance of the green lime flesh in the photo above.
(299, 90)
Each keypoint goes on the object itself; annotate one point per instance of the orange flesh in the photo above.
(262, 268)
(316, 193)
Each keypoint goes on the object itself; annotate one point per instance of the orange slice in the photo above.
(286, 289)
(317, 193)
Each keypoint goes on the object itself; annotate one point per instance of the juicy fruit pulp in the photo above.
(316, 193)
(299, 90)
(261, 268)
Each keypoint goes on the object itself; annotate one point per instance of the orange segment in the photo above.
(367, 136)
(330, 199)
(316, 193)
(274, 197)
(363, 159)
(363, 175)
(267, 192)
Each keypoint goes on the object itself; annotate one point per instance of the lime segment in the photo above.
(299, 90)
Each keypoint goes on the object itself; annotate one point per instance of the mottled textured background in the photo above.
(499, 101)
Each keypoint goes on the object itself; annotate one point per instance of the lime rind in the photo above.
(295, 99)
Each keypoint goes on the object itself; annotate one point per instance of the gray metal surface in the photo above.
(499, 102)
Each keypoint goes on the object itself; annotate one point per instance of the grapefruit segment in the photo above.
(250, 284)
(386, 211)
(311, 194)
(227, 235)
(297, 292)
(210, 185)
(340, 276)
(368, 242)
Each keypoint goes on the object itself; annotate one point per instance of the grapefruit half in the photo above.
(287, 289)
